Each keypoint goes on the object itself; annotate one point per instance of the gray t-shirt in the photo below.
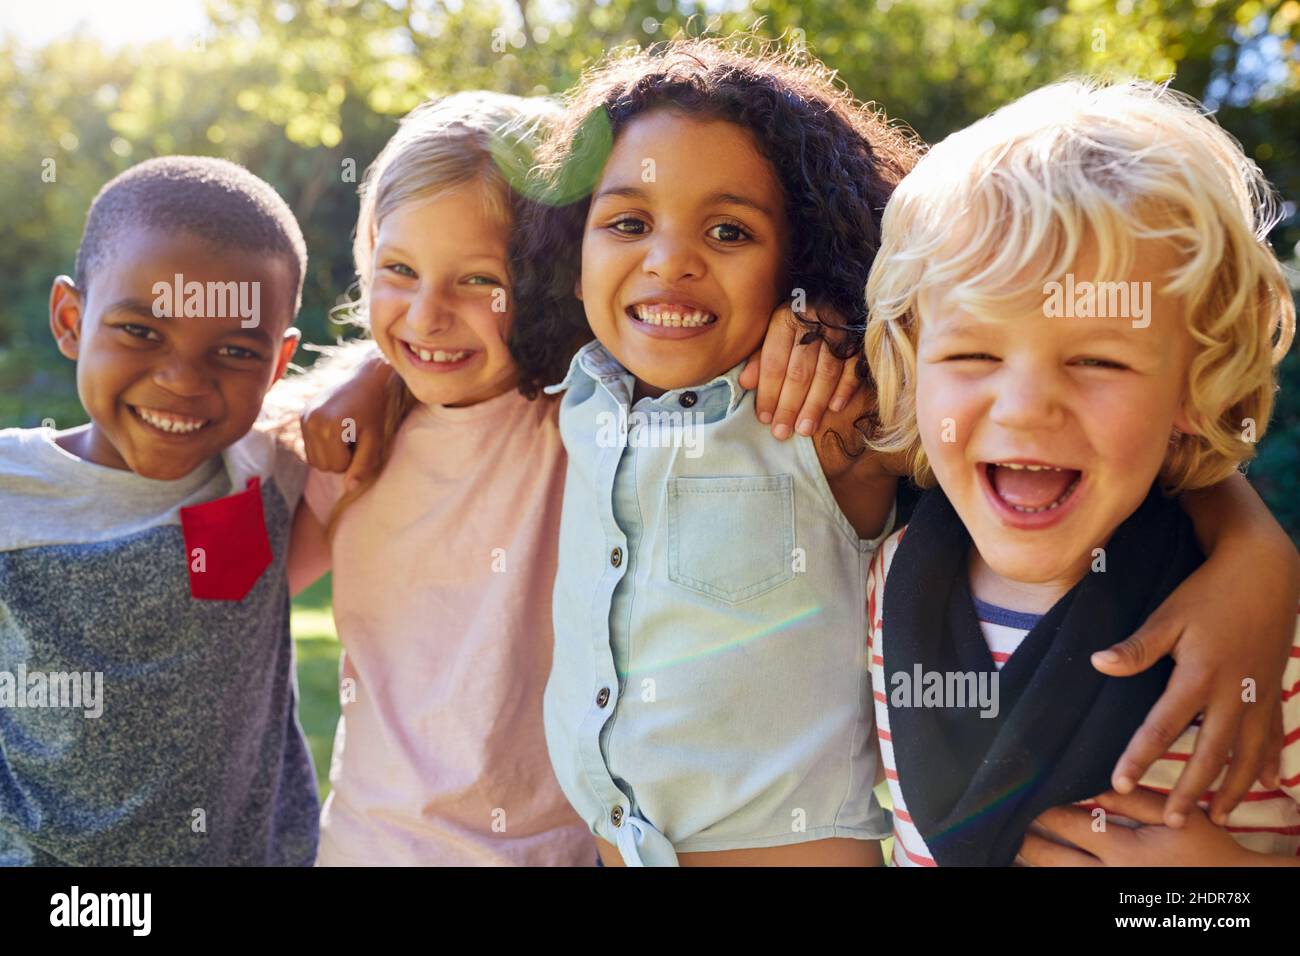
(140, 725)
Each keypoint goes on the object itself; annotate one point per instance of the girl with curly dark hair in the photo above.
(836, 160)
(707, 701)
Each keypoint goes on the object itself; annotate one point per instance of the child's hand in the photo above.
(1232, 621)
(343, 430)
(796, 382)
(1199, 843)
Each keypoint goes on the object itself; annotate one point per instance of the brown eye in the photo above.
(729, 232)
(140, 332)
(234, 351)
(635, 227)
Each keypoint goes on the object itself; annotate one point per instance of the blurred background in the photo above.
(306, 93)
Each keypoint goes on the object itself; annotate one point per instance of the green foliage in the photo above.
(305, 94)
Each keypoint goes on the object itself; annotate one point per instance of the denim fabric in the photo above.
(709, 688)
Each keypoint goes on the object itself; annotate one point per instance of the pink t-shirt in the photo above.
(443, 573)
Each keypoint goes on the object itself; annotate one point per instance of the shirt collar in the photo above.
(596, 363)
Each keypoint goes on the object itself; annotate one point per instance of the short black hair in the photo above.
(211, 198)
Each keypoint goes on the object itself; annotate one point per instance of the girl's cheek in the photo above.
(488, 315)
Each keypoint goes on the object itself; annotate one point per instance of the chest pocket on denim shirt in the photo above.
(731, 538)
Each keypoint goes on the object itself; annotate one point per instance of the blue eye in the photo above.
(402, 269)
(483, 280)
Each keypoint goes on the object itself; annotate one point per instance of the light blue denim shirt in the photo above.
(709, 687)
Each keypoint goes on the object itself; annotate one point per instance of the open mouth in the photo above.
(1031, 493)
(169, 423)
(442, 359)
(671, 316)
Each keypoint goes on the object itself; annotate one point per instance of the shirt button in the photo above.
(602, 698)
(616, 557)
(688, 399)
(616, 816)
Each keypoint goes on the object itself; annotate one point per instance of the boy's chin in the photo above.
(162, 463)
(1052, 560)
(168, 469)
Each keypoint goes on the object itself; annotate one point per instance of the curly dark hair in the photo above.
(838, 161)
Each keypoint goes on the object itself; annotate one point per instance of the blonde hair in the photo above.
(472, 138)
(999, 209)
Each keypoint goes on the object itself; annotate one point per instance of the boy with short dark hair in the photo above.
(147, 684)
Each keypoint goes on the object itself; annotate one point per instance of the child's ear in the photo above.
(577, 287)
(1182, 420)
(66, 306)
(288, 345)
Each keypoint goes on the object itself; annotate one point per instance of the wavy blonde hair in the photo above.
(476, 137)
(1010, 203)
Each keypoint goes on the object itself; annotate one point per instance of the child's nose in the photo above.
(429, 313)
(1027, 400)
(672, 257)
(182, 377)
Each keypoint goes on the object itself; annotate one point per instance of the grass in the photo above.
(316, 646)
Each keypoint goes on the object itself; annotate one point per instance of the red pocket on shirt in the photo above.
(226, 544)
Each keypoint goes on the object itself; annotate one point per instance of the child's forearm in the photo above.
(1231, 516)
(291, 395)
(309, 550)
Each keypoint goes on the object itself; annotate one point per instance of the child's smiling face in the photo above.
(165, 394)
(439, 308)
(680, 273)
(1046, 433)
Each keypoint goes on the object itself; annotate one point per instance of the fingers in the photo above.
(1250, 753)
(1143, 805)
(1271, 773)
(1167, 719)
(1213, 745)
(749, 374)
(367, 459)
(1069, 824)
(825, 378)
(799, 375)
(323, 442)
(1036, 851)
(1152, 641)
(848, 386)
(781, 334)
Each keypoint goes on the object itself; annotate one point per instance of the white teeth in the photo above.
(172, 425)
(672, 318)
(1015, 467)
(1034, 511)
(437, 355)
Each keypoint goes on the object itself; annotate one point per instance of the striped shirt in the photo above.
(1266, 820)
